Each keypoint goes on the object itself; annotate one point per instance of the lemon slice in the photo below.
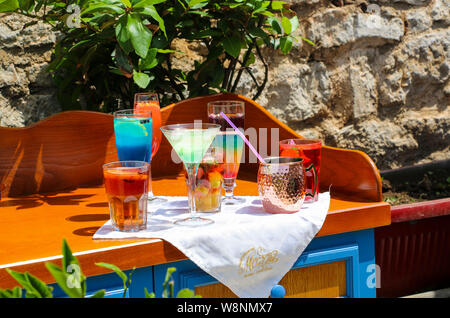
(131, 127)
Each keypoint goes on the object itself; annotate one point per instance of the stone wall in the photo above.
(27, 93)
(377, 80)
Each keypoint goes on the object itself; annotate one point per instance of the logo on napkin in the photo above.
(255, 261)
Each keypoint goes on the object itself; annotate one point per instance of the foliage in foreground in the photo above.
(110, 49)
(73, 282)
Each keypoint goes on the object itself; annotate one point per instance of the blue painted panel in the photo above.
(348, 253)
(142, 279)
(187, 275)
(366, 262)
(356, 248)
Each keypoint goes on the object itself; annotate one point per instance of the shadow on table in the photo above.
(86, 231)
(88, 217)
(36, 200)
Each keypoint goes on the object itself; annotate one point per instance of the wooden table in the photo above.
(34, 226)
(43, 168)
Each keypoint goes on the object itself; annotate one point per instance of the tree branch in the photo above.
(173, 83)
(244, 61)
(266, 71)
(233, 68)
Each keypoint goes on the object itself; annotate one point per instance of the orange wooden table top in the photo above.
(34, 226)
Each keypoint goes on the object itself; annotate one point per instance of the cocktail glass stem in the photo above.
(228, 186)
(193, 220)
(191, 169)
(229, 198)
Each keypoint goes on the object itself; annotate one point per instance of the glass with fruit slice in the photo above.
(208, 188)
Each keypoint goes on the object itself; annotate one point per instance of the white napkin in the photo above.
(246, 249)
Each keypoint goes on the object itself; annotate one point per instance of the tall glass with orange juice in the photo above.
(144, 102)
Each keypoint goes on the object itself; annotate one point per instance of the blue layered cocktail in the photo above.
(133, 134)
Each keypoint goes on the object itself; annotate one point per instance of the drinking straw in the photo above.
(243, 137)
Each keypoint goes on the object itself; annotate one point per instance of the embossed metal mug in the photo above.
(281, 184)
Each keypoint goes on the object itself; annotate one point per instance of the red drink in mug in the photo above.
(310, 151)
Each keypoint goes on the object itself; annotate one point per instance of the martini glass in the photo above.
(190, 142)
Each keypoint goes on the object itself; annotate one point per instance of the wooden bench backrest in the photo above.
(68, 150)
(63, 151)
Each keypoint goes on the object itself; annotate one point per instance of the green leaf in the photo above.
(34, 287)
(294, 23)
(169, 51)
(147, 295)
(9, 5)
(114, 268)
(168, 283)
(286, 44)
(99, 294)
(276, 25)
(277, 5)
(69, 278)
(232, 46)
(308, 41)
(145, 3)
(140, 36)
(122, 34)
(150, 61)
(16, 292)
(122, 60)
(152, 12)
(19, 277)
(268, 13)
(141, 79)
(63, 280)
(215, 52)
(251, 59)
(25, 5)
(40, 287)
(182, 4)
(217, 76)
(286, 23)
(127, 3)
(103, 7)
(68, 257)
(185, 293)
(258, 33)
(195, 2)
(86, 64)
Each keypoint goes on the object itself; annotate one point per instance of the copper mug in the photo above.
(282, 184)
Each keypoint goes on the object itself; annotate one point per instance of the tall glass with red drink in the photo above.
(310, 151)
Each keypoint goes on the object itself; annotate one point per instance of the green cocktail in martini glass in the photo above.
(190, 142)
